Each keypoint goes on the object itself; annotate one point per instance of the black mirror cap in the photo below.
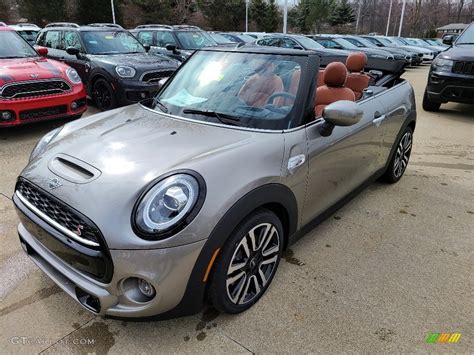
(72, 51)
(448, 40)
(147, 47)
(170, 47)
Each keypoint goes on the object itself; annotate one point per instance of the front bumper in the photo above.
(445, 86)
(29, 110)
(131, 92)
(168, 270)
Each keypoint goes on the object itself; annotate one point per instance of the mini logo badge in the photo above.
(54, 184)
(34, 76)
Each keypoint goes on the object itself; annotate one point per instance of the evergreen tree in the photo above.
(342, 14)
(90, 11)
(309, 15)
(272, 18)
(257, 14)
(42, 12)
(225, 15)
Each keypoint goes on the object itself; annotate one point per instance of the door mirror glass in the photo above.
(72, 51)
(448, 40)
(340, 113)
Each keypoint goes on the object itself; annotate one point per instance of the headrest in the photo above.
(335, 74)
(356, 62)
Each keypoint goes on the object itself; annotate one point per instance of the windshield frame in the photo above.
(88, 51)
(469, 31)
(17, 36)
(297, 116)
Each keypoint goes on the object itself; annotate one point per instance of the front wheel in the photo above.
(247, 263)
(430, 105)
(103, 95)
(399, 161)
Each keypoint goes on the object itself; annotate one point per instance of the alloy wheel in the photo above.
(402, 155)
(102, 96)
(253, 263)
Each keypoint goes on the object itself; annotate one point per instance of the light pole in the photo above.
(247, 15)
(358, 18)
(401, 19)
(285, 16)
(113, 10)
(389, 14)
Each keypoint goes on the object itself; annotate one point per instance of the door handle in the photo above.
(295, 162)
(378, 118)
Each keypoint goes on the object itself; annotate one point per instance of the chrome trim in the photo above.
(32, 82)
(55, 224)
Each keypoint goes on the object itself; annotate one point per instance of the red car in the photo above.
(33, 88)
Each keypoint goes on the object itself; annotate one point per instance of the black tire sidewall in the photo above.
(389, 175)
(429, 105)
(113, 103)
(217, 288)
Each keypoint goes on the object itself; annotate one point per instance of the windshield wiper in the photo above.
(161, 105)
(222, 117)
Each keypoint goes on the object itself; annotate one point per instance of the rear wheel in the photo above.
(247, 263)
(399, 162)
(103, 95)
(430, 105)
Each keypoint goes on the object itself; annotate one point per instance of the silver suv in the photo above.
(154, 208)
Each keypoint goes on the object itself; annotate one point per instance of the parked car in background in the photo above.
(428, 54)
(256, 35)
(178, 41)
(435, 42)
(115, 67)
(451, 76)
(33, 88)
(420, 43)
(221, 40)
(398, 53)
(28, 31)
(157, 219)
(383, 42)
(238, 37)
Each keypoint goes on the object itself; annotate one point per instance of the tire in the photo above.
(399, 162)
(231, 293)
(429, 105)
(103, 95)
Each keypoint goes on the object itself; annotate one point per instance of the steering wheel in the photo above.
(282, 94)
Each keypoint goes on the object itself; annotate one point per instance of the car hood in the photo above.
(22, 69)
(372, 51)
(140, 61)
(458, 52)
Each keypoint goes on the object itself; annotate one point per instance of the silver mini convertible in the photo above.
(191, 197)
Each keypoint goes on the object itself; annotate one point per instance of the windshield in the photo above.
(308, 43)
(467, 37)
(30, 36)
(243, 89)
(221, 39)
(13, 46)
(386, 41)
(398, 41)
(356, 42)
(246, 38)
(344, 43)
(195, 39)
(111, 42)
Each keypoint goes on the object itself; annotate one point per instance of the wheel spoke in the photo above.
(252, 239)
(251, 280)
(242, 278)
(269, 237)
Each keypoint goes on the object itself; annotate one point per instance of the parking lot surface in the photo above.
(392, 266)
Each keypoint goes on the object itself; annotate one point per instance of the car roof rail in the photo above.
(105, 24)
(186, 27)
(26, 25)
(62, 24)
(155, 26)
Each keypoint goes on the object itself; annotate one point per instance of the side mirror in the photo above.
(378, 45)
(72, 51)
(298, 47)
(172, 48)
(340, 113)
(448, 40)
(42, 51)
(147, 47)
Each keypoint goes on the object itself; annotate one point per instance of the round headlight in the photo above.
(125, 71)
(168, 204)
(73, 76)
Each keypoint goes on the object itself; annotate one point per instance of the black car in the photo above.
(178, 41)
(451, 76)
(115, 67)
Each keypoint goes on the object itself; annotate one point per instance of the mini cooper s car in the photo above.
(34, 88)
(114, 66)
(151, 209)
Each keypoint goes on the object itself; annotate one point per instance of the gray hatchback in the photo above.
(192, 196)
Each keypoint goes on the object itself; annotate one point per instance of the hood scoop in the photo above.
(73, 169)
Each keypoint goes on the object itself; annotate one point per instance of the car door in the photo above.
(343, 161)
(80, 62)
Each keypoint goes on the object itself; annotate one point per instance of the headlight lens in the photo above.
(40, 147)
(443, 63)
(73, 76)
(380, 56)
(167, 204)
(125, 71)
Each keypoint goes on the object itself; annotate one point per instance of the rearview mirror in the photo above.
(72, 51)
(448, 40)
(42, 51)
(340, 113)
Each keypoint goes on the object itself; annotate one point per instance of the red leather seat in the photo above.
(320, 81)
(357, 80)
(335, 77)
(259, 87)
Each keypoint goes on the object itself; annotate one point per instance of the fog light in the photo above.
(74, 105)
(146, 288)
(143, 95)
(7, 115)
